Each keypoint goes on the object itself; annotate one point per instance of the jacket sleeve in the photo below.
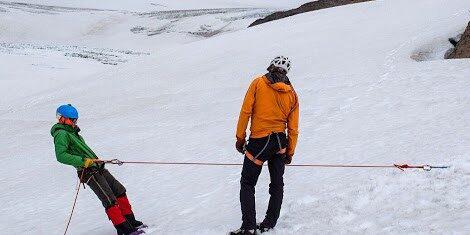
(293, 128)
(246, 110)
(61, 142)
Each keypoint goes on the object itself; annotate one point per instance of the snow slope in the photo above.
(35, 36)
(363, 100)
(147, 5)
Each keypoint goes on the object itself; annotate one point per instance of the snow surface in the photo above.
(35, 38)
(364, 100)
(147, 5)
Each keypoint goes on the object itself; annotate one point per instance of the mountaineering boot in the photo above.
(262, 228)
(137, 224)
(244, 232)
(123, 227)
(126, 210)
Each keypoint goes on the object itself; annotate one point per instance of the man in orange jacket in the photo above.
(273, 107)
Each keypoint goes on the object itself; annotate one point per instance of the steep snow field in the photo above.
(363, 101)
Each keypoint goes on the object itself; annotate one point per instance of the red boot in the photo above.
(126, 210)
(122, 226)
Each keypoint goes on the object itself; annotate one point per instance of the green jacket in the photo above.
(70, 148)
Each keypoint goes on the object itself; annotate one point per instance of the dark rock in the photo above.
(462, 48)
(311, 6)
(453, 42)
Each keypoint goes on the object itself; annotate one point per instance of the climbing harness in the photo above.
(255, 158)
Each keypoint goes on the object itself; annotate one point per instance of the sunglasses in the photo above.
(74, 120)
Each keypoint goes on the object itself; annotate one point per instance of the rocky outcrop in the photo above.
(311, 6)
(462, 48)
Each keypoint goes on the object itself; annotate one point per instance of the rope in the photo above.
(401, 167)
(120, 163)
(74, 202)
(173, 163)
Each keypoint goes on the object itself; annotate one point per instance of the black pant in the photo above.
(105, 186)
(250, 173)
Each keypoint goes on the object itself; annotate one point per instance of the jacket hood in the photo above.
(278, 86)
(59, 126)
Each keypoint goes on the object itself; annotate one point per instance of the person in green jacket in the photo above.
(71, 149)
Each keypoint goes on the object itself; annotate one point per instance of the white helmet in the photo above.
(282, 62)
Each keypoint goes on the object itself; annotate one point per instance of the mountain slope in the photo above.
(462, 49)
(307, 7)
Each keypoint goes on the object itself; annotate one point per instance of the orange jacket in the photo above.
(272, 108)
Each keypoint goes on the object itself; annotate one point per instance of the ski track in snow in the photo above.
(363, 101)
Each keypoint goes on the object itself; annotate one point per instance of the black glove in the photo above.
(287, 159)
(240, 145)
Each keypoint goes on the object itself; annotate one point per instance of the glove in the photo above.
(240, 144)
(288, 159)
(88, 162)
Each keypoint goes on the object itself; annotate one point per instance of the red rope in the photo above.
(401, 167)
(346, 166)
(241, 164)
(118, 162)
(74, 201)
(176, 163)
